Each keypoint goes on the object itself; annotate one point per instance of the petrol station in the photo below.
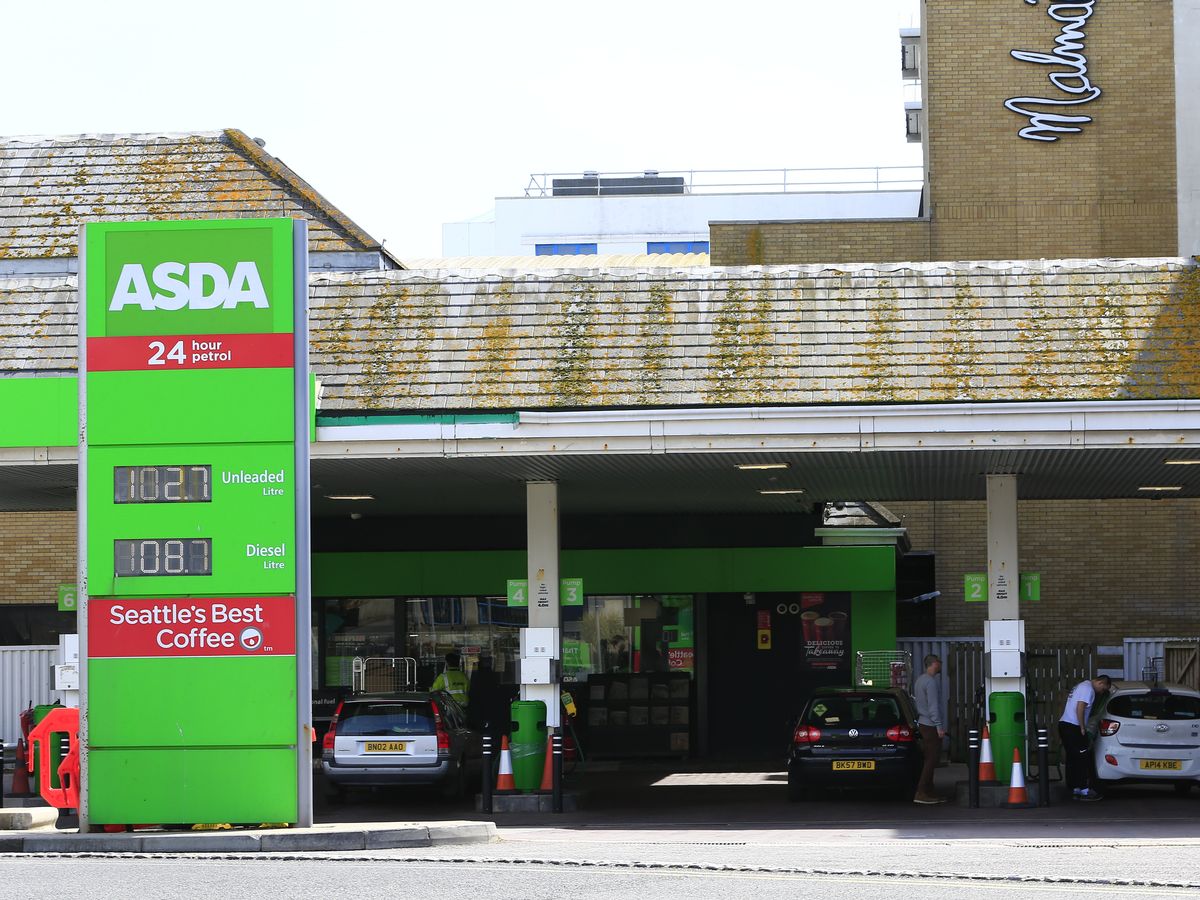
(267, 456)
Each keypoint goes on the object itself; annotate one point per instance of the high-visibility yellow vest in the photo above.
(455, 683)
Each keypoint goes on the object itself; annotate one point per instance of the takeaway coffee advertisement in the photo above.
(825, 631)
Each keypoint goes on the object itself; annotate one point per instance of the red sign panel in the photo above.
(226, 626)
(183, 352)
(681, 658)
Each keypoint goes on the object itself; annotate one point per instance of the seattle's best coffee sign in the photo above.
(1071, 88)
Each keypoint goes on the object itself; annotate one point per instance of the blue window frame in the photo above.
(677, 246)
(565, 249)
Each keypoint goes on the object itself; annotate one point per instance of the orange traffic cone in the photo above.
(1017, 797)
(987, 766)
(20, 781)
(504, 779)
(548, 766)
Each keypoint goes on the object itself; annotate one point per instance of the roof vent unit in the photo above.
(913, 117)
(910, 53)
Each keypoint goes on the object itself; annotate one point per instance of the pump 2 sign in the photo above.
(193, 556)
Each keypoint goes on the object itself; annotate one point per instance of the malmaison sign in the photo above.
(1070, 86)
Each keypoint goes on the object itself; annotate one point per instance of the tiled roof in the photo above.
(49, 186)
(913, 333)
(470, 340)
(39, 326)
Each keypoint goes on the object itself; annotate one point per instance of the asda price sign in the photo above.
(194, 583)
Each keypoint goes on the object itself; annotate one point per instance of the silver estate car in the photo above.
(411, 738)
(1149, 733)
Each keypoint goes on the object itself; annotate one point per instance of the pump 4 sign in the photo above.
(194, 602)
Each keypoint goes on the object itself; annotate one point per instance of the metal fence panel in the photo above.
(920, 647)
(25, 678)
(1140, 654)
(383, 674)
(1050, 673)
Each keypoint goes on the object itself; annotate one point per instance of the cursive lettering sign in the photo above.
(1070, 76)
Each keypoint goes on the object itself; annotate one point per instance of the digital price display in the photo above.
(162, 484)
(163, 556)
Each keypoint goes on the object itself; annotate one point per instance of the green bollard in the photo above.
(528, 744)
(1006, 724)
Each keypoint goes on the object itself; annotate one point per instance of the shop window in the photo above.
(473, 627)
(631, 659)
(24, 626)
(436, 611)
(677, 246)
(356, 626)
(565, 249)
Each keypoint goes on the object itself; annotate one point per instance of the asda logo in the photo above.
(197, 285)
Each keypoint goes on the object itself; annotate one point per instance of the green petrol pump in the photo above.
(193, 528)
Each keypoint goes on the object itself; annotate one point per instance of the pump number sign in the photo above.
(193, 539)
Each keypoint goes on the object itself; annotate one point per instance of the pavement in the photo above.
(699, 798)
(341, 837)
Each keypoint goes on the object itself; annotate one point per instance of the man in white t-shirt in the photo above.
(1072, 728)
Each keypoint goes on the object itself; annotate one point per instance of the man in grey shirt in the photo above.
(928, 694)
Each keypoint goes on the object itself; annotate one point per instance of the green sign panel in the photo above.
(975, 587)
(1031, 587)
(68, 598)
(570, 592)
(194, 609)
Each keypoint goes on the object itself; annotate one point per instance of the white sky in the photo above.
(409, 115)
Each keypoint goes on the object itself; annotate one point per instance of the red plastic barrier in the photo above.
(63, 719)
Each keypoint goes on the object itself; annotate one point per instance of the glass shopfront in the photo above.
(628, 659)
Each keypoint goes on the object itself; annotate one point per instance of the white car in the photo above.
(1149, 733)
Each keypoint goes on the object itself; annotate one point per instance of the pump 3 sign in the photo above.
(194, 606)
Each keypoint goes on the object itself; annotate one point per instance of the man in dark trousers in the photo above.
(928, 694)
(1072, 728)
(484, 712)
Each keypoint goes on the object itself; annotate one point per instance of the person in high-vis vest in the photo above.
(453, 680)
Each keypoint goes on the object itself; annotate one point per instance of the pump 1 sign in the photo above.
(194, 604)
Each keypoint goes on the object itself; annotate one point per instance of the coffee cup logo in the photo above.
(251, 639)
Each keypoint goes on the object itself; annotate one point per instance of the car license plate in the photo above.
(386, 746)
(853, 765)
(1161, 765)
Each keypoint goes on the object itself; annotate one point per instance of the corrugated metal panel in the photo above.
(25, 677)
(1140, 654)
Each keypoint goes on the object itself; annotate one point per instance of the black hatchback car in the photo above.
(855, 738)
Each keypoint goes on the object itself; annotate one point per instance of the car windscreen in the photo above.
(1154, 705)
(853, 709)
(386, 718)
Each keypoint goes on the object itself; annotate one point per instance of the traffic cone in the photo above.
(20, 781)
(504, 779)
(548, 766)
(1017, 797)
(987, 766)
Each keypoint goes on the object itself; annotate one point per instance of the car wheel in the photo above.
(1183, 788)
